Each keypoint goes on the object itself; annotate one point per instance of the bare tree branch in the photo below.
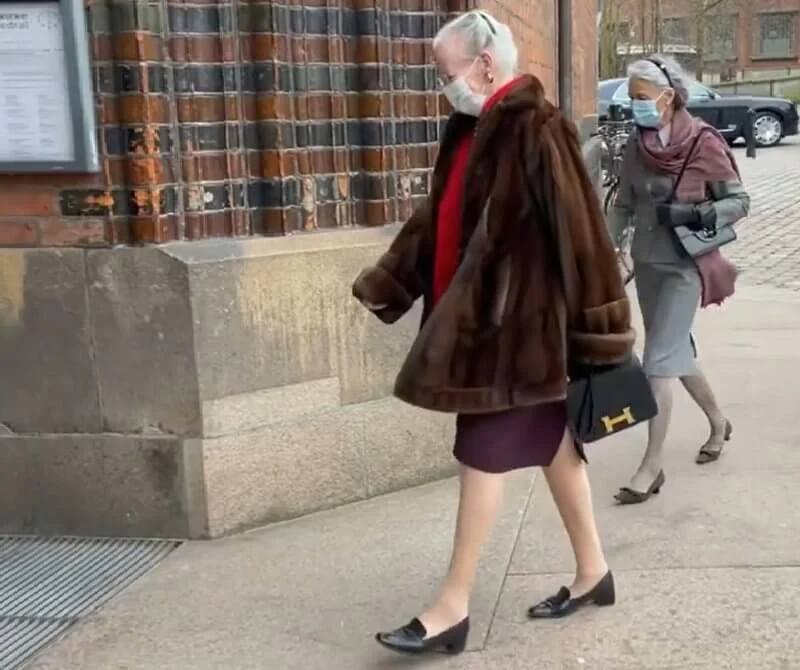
(712, 5)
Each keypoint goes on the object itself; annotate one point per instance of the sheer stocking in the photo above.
(657, 434)
(699, 389)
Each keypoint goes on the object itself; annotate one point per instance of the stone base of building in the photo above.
(196, 389)
(199, 388)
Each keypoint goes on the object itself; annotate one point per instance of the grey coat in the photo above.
(668, 284)
(641, 189)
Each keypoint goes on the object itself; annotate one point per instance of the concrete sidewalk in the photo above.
(708, 572)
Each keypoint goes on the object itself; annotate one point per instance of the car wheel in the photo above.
(767, 129)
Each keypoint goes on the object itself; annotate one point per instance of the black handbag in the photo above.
(601, 400)
(605, 401)
(697, 243)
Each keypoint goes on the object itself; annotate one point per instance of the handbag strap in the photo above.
(686, 162)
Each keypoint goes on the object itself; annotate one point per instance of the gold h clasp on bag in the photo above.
(610, 423)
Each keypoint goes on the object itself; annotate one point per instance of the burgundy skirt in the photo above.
(521, 437)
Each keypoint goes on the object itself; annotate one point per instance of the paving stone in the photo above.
(768, 250)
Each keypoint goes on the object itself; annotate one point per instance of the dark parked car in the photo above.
(775, 118)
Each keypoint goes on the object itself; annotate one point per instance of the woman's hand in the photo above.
(695, 216)
(678, 214)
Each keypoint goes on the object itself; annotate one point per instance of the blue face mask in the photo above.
(646, 114)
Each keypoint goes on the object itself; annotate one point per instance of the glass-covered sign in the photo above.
(46, 115)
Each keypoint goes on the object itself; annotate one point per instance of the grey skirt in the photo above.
(669, 296)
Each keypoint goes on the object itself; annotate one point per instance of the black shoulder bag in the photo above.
(605, 400)
(695, 243)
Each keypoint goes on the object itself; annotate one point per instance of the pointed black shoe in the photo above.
(410, 639)
(712, 449)
(563, 604)
(627, 496)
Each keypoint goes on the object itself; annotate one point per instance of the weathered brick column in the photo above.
(180, 354)
(225, 119)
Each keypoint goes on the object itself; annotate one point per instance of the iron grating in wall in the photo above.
(48, 584)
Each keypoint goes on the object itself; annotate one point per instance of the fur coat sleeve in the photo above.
(391, 286)
(598, 309)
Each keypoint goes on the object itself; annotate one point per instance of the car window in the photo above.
(606, 89)
(699, 92)
(621, 94)
(696, 92)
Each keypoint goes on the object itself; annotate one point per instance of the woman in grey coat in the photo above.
(671, 285)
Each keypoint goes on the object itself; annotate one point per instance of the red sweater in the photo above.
(448, 220)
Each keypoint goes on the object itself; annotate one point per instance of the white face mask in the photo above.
(462, 97)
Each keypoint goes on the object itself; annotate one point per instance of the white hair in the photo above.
(482, 32)
(663, 72)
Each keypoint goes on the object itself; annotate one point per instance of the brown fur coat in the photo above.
(503, 334)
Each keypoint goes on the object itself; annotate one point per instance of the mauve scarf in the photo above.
(711, 161)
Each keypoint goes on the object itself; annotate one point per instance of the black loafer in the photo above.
(563, 604)
(410, 639)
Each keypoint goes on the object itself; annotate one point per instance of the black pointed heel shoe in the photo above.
(563, 604)
(712, 450)
(628, 496)
(410, 639)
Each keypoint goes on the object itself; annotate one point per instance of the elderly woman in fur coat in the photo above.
(511, 217)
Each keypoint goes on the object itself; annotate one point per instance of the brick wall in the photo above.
(534, 26)
(233, 118)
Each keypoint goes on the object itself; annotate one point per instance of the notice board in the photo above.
(47, 119)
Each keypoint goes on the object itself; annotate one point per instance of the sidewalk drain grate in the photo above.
(48, 584)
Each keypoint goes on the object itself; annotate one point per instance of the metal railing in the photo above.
(777, 87)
